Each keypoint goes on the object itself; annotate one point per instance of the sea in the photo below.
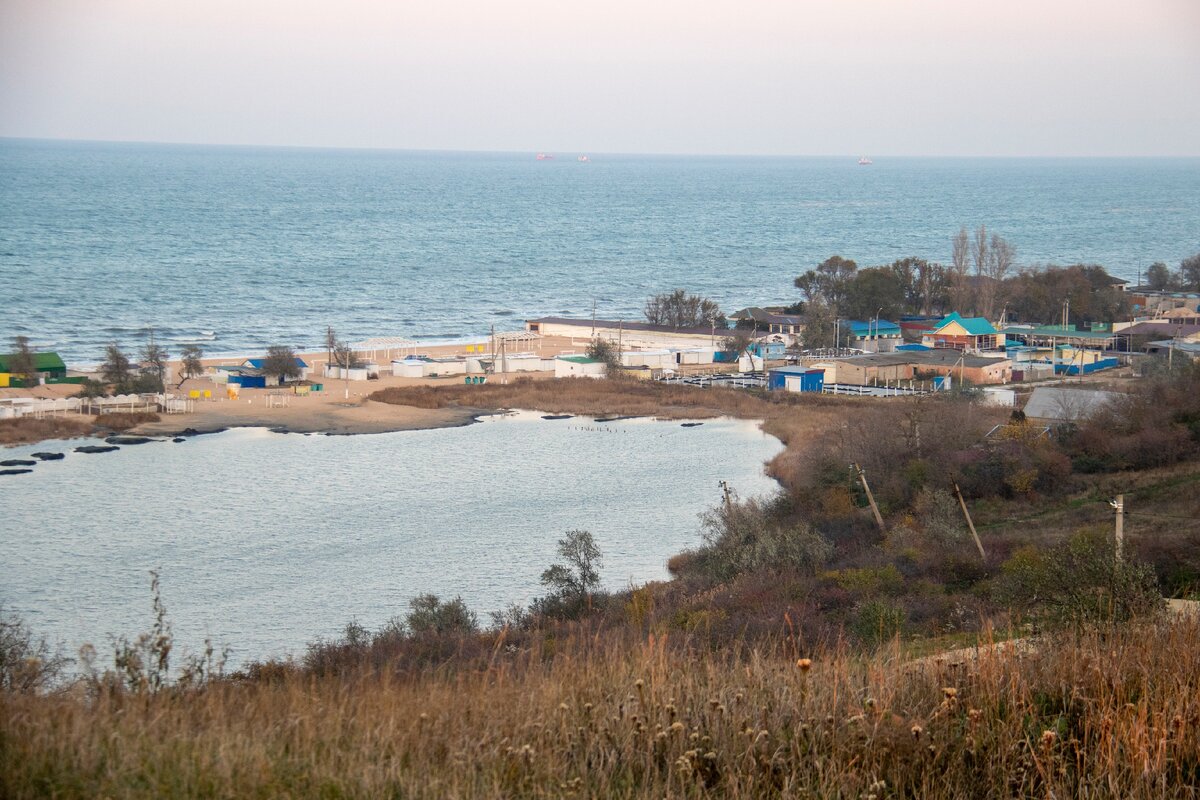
(238, 248)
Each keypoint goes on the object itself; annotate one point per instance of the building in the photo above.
(902, 366)
(259, 363)
(796, 379)
(1146, 301)
(629, 334)
(579, 367)
(1168, 348)
(1054, 406)
(48, 366)
(1135, 337)
(876, 336)
(963, 333)
(766, 321)
(1053, 335)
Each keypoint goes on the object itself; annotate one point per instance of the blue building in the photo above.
(796, 379)
(876, 335)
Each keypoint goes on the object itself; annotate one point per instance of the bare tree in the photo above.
(960, 261)
(679, 309)
(190, 365)
(578, 576)
(1001, 256)
(281, 362)
(23, 364)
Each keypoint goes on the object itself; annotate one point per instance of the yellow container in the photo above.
(4, 379)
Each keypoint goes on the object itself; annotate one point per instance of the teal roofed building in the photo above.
(876, 335)
(964, 333)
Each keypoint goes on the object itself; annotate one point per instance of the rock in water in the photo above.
(14, 471)
(128, 440)
(96, 448)
(50, 456)
(17, 462)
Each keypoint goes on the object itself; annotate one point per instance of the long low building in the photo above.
(909, 365)
(630, 334)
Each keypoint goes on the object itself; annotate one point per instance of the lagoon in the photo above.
(266, 541)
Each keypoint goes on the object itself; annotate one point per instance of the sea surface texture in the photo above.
(266, 541)
(239, 248)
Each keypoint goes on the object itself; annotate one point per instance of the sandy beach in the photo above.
(342, 408)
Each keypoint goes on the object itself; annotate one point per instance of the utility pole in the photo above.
(970, 523)
(1119, 505)
(728, 496)
(593, 318)
(862, 476)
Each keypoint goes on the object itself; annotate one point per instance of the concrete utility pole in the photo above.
(970, 523)
(1119, 505)
(862, 476)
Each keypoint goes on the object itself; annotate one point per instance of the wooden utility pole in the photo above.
(862, 476)
(970, 524)
(728, 496)
(1119, 505)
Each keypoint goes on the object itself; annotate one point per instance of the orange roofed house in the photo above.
(964, 333)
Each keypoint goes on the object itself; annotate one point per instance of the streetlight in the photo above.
(876, 337)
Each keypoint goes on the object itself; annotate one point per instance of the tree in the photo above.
(678, 309)
(1000, 258)
(345, 357)
(190, 365)
(872, 290)
(960, 260)
(1158, 276)
(820, 327)
(1189, 273)
(827, 283)
(605, 350)
(281, 362)
(154, 363)
(579, 575)
(23, 363)
(116, 369)
(737, 342)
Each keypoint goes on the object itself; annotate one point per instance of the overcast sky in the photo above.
(878, 77)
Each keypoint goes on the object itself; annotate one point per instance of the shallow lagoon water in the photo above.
(265, 541)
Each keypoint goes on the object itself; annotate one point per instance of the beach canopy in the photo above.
(386, 344)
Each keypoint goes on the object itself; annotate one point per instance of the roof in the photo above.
(770, 317)
(1066, 405)
(1183, 347)
(580, 360)
(872, 327)
(796, 370)
(976, 326)
(1057, 331)
(42, 362)
(940, 356)
(258, 363)
(612, 323)
(1160, 329)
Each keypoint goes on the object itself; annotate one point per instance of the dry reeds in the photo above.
(1113, 714)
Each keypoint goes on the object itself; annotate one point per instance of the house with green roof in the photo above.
(47, 365)
(964, 333)
(579, 367)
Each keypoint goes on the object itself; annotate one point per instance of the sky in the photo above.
(802, 77)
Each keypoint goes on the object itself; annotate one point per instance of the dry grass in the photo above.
(27, 430)
(125, 422)
(1105, 715)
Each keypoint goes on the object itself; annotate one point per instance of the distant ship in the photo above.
(545, 156)
(583, 159)
(865, 162)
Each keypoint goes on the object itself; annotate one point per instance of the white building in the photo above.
(579, 367)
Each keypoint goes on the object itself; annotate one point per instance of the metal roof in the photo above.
(42, 362)
(580, 360)
(629, 326)
(1066, 405)
(976, 326)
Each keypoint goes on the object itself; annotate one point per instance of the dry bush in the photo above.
(27, 430)
(1102, 715)
(125, 422)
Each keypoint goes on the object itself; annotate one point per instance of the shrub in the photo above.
(1079, 582)
(26, 664)
(430, 615)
